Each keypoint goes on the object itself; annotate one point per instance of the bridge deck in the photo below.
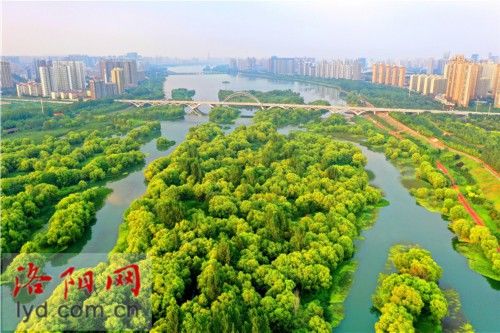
(332, 108)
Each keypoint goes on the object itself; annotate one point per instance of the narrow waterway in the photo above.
(403, 221)
(100, 239)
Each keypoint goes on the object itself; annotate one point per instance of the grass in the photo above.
(490, 186)
(476, 259)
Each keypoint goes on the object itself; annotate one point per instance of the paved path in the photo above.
(437, 143)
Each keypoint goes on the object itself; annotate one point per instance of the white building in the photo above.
(46, 80)
(68, 75)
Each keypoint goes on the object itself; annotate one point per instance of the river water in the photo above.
(401, 222)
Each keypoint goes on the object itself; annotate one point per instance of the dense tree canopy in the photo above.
(223, 114)
(183, 94)
(411, 294)
(243, 226)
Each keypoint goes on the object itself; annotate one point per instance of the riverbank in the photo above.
(361, 92)
(420, 189)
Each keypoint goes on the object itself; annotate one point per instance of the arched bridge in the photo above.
(193, 106)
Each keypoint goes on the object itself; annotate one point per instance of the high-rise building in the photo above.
(427, 84)
(488, 71)
(437, 85)
(412, 85)
(282, 66)
(118, 78)
(129, 71)
(337, 69)
(401, 76)
(462, 76)
(440, 66)
(388, 74)
(66, 76)
(45, 80)
(5, 75)
(100, 89)
(429, 66)
(482, 87)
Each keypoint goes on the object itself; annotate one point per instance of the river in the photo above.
(401, 222)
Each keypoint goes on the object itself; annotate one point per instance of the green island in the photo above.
(410, 298)
(260, 234)
(223, 114)
(163, 143)
(183, 94)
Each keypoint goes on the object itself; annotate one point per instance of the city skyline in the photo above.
(378, 29)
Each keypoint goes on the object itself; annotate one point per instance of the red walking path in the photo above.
(461, 198)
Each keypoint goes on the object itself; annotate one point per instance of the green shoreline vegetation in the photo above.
(432, 190)
(357, 92)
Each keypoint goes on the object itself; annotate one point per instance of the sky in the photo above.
(322, 29)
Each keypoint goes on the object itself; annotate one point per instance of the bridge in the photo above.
(194, 106)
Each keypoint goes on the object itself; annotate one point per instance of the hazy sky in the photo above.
(308, 28)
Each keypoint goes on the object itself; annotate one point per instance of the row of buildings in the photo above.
(387, 74)
(462, 81)
(338, 69)
(66, 79)
(427, 84)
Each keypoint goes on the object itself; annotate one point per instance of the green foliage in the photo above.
(320, 102)
(411, 293)
(163, 143)
(476, 135)
(223, 114)
(354, 99)
(183, 94)
(243, 227)
(72, 217)
(151, 88)
(35, 175)
(281, 117)
(164, 112)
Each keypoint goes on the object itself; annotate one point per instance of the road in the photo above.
(332, 108)
(37, 100)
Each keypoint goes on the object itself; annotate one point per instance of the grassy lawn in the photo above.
(476, 259)
(486, 181)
